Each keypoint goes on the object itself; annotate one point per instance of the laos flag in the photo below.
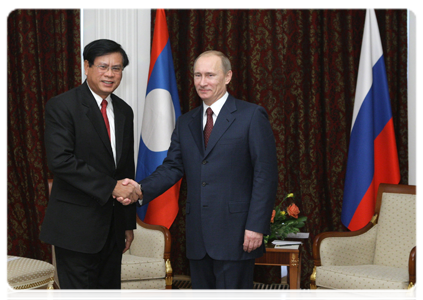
(160, 113)
(372, 153)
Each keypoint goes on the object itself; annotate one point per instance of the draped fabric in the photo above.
(301, 66)
(43, 60)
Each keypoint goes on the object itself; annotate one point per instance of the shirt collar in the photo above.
(216, 106)
(98, 99)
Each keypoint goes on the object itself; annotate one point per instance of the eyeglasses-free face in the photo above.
(209, 78)
(105, 74)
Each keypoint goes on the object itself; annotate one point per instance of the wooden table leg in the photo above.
(299, 273)
(294, 273)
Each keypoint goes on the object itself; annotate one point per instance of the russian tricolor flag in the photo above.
(372, 154)
(160, 113)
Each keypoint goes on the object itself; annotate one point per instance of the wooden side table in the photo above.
(284, 257)
(24, 274)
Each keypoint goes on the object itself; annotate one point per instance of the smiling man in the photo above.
(226, 149)
(89, 145)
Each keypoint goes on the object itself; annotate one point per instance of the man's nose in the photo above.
(203, 81)
(109, 72)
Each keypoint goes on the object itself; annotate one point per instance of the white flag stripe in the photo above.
(371, 51)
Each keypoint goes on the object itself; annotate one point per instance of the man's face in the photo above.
(103, 83)
(209, 78)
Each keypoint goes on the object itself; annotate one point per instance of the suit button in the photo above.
(204, 183)
(205, 162)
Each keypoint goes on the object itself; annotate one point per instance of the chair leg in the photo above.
(169, 274)
(313, 279)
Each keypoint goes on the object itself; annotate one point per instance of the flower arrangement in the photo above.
(283, 222)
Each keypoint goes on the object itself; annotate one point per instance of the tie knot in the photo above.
(209, 111)
(104, 103)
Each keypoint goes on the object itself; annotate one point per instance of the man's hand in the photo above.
(129, 237)
(252, 240)
(137, 194)
(125, 193)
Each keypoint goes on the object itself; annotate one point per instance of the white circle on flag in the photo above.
(158, 120)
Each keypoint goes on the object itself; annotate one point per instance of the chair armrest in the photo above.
(151, 241)
(412, 266)
(345, 248)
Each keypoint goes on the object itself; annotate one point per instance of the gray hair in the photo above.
(226, 64)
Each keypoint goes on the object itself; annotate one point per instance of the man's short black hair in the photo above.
(102, 47)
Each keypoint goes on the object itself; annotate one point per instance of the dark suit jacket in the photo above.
(81, 207)
(231, 185)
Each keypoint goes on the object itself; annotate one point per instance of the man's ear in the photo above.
(86, 66)
(228, 77)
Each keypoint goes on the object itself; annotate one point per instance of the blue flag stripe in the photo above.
(372, 118)
(162, 77)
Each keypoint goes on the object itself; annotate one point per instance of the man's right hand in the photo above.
(125, 191)
(134, 195)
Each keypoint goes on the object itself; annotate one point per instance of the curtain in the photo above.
(43, 60)
(301, 66)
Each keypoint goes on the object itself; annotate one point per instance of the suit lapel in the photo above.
(223, 121)
(93, 113)
(196, 129)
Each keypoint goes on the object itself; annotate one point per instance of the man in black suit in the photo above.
(228, 156)
(90, 149)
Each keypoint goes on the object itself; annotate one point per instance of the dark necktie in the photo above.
(104, 113)
(209, 126)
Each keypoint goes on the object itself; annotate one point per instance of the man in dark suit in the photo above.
(229, 158)
(89, 145)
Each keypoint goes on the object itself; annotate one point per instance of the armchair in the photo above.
(146, 268)
(382, 255)
(146, 265)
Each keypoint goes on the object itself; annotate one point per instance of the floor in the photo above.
(40, 294)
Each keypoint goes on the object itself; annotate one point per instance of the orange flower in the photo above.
(293, 211)
(273, 216)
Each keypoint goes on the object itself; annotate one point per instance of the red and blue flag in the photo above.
(161, 110)
(372, 154)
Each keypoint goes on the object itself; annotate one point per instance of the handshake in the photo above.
(127, 191)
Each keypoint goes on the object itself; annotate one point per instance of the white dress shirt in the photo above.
(216, 107)
(111, 117)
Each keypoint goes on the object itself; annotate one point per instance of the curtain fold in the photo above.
(43, 60)
(301, 66)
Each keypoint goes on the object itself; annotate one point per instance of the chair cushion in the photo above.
(139, 268)
(362, 277)
(151, 284)
(25, 273)
(396, 234)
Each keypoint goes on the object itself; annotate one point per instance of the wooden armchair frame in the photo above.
(383, 188)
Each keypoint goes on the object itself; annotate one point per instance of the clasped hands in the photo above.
(127, 191)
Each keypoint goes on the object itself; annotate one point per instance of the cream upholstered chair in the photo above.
(382, 255)
(146, 268)
(146, 265)
(23, 274)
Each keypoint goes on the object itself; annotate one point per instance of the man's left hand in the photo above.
(129, 237)
(252, 240)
